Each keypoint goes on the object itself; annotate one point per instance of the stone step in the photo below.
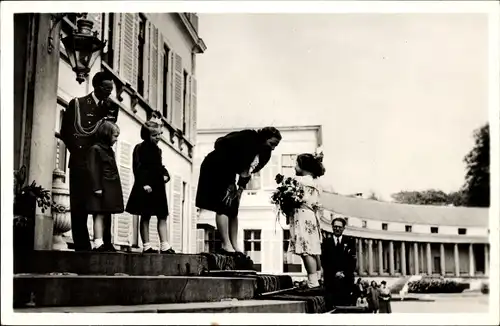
(94, 290)
(240, 306)
(93, 263)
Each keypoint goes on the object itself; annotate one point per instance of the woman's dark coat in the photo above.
(103, 175)
(148, 170)
(232, 154)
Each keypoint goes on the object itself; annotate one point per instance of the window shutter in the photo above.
(269, 173)
(97, 18)
(117, 40)
(153, 65)
(129, 52)
(194, 218)
(159, 71)
(176, 213)
(193, 111)
(170, 87)
(123, 222)
(177, 91)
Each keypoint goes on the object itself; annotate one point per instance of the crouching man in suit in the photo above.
(338, 258)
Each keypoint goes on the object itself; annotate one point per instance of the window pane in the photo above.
(247, 246)
(247, 234)
(254, 183)
(256, 246)
(256, 234)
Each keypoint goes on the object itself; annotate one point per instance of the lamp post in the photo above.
(82, 46)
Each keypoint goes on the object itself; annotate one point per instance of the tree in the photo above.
(426, 197)
(477, 179)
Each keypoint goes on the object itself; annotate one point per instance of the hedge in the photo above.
(436, 286)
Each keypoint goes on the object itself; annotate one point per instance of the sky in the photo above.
(398, 95)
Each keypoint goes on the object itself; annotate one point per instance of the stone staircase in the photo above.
(59, 281)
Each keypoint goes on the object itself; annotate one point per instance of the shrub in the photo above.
(436, 286)
(485, 288)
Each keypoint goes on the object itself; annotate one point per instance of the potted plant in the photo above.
(26, 199)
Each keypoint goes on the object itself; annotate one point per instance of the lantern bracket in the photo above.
(56, 19)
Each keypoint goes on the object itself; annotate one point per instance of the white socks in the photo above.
(164, 246)
(146, 245)
(312, 280)
(98, 243)
(319, 273)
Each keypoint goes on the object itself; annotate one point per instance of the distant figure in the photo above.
(385, 298)
(237, 155)
(106, 195)
(79, 125)
(338, 258)
(373, 297)
(362, 302)
(148, 196)
(305, 230)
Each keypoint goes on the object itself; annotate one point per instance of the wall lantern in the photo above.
(82, 47)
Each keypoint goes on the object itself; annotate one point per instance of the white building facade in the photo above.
(152, 57)
(262, 238)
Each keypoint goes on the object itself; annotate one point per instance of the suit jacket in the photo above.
(340, 258)
(90, 114)
(238, 149)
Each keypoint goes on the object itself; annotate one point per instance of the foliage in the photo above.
(485, 288)
(436, 286)
(288, 196)
(26, 197)
(429, 197)
(477, 178)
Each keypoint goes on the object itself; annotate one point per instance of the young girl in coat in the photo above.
(148, 196)
(304, 228)
(106, 196)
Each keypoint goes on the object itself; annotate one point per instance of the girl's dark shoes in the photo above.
(150, 251)
(168, 252)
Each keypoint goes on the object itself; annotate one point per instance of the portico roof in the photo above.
(403, 213)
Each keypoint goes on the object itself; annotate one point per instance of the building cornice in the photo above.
(199, 44)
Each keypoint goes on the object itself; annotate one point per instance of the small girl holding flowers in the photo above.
(299, 200)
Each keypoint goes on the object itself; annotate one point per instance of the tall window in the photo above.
(212, 241)
(254, 183)
(252, 247)
(141, 43)
(166, 56)
(108, 56)
(185, 102)
(291, 262)
(288, 162)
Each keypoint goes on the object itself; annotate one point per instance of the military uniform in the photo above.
(86, 115)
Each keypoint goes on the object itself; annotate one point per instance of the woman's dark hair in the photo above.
(268, 133)
(100, 77)
(105, 131)
(311, 163)
(148, 128)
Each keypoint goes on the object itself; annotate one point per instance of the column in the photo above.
(380, 258)
(442, 261)
(391, 258)
(370, 257)
(403, 258)
(42, 152)
(422, 260)
(360, 258)
(457, 260)
(472, 262)
(415, 258)
(429, 259)
(486, 260)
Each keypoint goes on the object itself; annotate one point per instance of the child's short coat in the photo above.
(103, 175)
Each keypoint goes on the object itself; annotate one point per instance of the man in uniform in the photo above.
(80, 122)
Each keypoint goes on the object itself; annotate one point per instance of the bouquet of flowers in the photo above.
(288, 196)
